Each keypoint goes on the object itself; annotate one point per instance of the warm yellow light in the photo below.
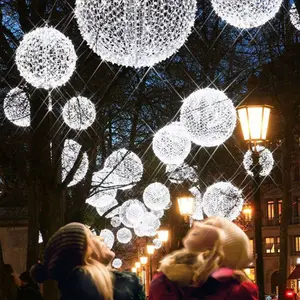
(247, 271)
(254, 121)
(134, 270)
(247, 211)
(138, 265)
(163, 235)
(186, 205)
(144, 260)
(298, 261)
(150, 249)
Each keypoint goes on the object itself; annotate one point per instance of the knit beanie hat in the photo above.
(65, 250)
(234, 241)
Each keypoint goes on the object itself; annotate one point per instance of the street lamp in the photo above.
(138, 265)
(247, 212)
(186, 202)
(144, 260)
(254, 121)
(163, 235)
(150, 251)
(133, 270)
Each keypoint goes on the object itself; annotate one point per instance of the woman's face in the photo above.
(100, 251)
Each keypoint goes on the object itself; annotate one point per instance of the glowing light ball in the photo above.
(16, 107)
(115, 222)
(108, 237)
(113, 213)
(156, 196)
(68, 158)
(46, 58)
(198, 212)
(209, 116)
(158, 213)
(246, 13)
(157, 243)
(79, 113)
(294, 16)
(131, 212)
(149, 224)
(135, 33)
(124, 235)
(103, 209)
(105, 178)
(117, 263)
(179, 173)
(266, 161)
(126, 166)
(172, 144)
(223, 199)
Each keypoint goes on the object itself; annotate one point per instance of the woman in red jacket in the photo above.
(209, 267)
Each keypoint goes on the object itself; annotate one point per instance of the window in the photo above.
(272, 245)
(297, 243)
(252, 245)
(271, 211)
(279, 206)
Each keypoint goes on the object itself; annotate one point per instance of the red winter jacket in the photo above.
(220, 285)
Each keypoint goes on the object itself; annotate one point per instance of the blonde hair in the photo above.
(100, 273)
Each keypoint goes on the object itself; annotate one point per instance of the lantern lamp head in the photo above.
(144, 260)
(138, 265)
(163, 235)
(150, 249)
(186, 202)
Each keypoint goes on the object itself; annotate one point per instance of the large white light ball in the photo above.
(148, 226)
(124, 235)
(135, 33)
(156, 196)
(131, 212)
(117, 263)
(179, 173)
(79, 113)
(294, 16)
(246, 13)
(68, 158)
(126, 166)
(266, 161)
(209, 116)
(172, 144)
(115, 221)
(46, 58)
(108, 237)
(224, 200)
(16, 107)
(101, 210)
(198, 212)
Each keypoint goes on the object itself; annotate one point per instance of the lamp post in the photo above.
(254, 121)
(150, 251)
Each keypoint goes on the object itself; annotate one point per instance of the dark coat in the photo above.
(29, 292)
(80, 286)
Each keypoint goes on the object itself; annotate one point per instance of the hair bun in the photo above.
(39, 273)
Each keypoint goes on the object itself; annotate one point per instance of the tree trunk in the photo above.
(3, 295)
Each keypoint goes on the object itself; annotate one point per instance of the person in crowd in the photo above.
(28, 290)
(10, 282)
(79, 262)
(209, 266)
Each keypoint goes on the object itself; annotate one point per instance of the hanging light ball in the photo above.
(135, 33)
(198, 212)
(79, 113)
(224, 200)
(294, 16)
(172, 144)
(16, 107)
(117, 263)
(108, 237)
(157, 243)
(209, 116)
(179, 173)
(131, 212)
(148, 226)
(115, 222)
(266, 161)
(158, 213)
(46, 58)
(156, 196)
(126, 166)
(124, 235)
(246, 13)
(113, 213)
(68, 158)
(101, 210)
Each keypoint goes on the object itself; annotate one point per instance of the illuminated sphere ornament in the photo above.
(131, 212)
(172, 144)
(113, 213)
(117, 263)
(158, 213)
(224, 200)
(209, 116)
(198, 212)
(157, 243)
(16, 107)
(79, 113)
(68, 158)
(115, 222)
(124, 235)
(101, 210)
(246, 13)
(294, 16)
(108, 237)
(179, 173)
(266, 161)
(135, 33)
(148, 226)
(127, 167)
(156, 196)
(46, 58)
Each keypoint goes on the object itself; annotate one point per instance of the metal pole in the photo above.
(259, 259)
(150, 266)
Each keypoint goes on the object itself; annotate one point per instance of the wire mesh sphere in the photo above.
(79, 113)
(156, 196)
(294, 16)
(103, 209)
(108, 237)
(46, 58)
(124, 235)
(148, 225)
(172, 144)
(157, 243)
(68, 158)
(209, 116)
(126, 165)
(115, 222)
(131, 212)
(16, 107)
(179, 173)
(105, 179)
(158, 213)
(135, 33)
(113, 213)
(224, 200)
(117, 263)
(266, 161)
(246, 13)
(198, 212)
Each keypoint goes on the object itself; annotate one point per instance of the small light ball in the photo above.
(124, 235)
(131, 212)
(79, 113)
(294, 16)
(179, 173)
(46, 58)
(108, 237)
(149, 225)
(16, 107)
(156, 196)
(209, 116)
(117, 263)
(157, 243)
(115, 222)
(172, 144)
